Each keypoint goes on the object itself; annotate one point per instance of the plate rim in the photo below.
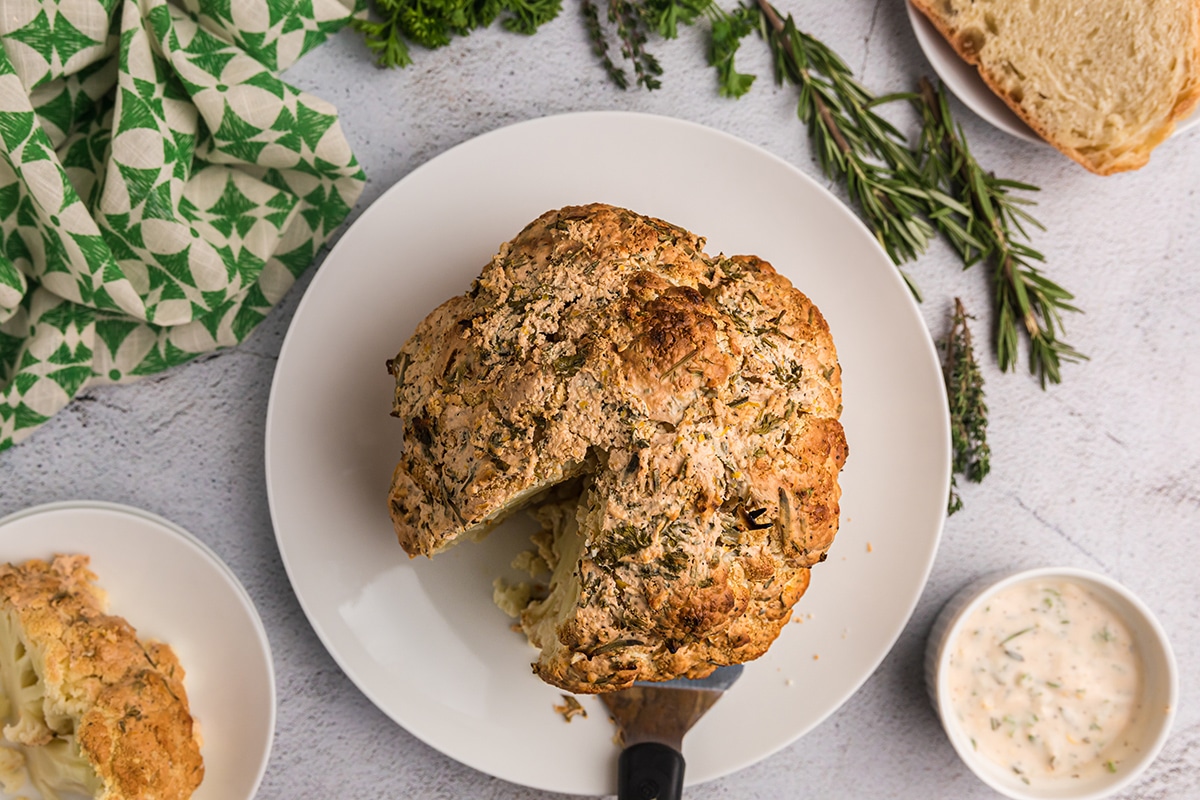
(188, 538)
(314, 619)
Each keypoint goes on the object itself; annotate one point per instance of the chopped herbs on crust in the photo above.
(95, 710)
(686, 408)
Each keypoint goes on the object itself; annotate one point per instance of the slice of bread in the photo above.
(1104, 81)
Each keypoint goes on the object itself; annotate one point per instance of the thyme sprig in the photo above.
(987, 224)
(591, 21)
(971, 456)
(634, 32)
(634, 20)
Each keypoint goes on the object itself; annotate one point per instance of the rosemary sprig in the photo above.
(968, 413)
(905, 197)
(854, 144)
(988, 224)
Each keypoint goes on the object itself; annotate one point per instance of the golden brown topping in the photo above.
(685, 406)
(98, 711)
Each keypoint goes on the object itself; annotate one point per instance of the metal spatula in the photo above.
(653, 718)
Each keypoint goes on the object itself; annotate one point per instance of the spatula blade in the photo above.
(652, 719)
(665, 711)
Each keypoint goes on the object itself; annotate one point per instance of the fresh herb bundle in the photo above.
(907, 194)
(968, 412)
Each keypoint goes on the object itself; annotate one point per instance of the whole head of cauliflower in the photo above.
(675, 415)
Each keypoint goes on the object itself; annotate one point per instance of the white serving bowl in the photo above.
(1160, 684)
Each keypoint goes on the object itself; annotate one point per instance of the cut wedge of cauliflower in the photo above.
(93, 710)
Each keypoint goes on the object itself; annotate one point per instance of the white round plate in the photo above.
(172, 588)
(963, 80)
(422, 638)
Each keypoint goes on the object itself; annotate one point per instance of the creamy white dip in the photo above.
(1044, 679)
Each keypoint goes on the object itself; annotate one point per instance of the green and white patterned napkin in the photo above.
(160, 187)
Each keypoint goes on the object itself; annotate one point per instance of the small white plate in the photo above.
(171, 587)
(963, 80)
(422, 638)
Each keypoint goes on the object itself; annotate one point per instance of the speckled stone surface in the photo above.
(1101, 472)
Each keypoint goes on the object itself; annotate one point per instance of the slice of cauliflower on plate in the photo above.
(93, 710)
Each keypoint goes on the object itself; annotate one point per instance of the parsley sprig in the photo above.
(433, 23)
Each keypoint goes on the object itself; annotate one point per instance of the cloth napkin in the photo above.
(160, 187)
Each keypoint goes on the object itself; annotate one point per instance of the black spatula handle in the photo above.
(650, 771)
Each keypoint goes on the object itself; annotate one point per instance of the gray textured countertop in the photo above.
(1101, 472)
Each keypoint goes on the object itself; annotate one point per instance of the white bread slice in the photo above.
(1104, 81)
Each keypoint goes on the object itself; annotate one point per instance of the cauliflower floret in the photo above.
(12, 770)
(511, 599)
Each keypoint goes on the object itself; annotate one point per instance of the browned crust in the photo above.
(1100, 162)
(697, 396)
(134, 725)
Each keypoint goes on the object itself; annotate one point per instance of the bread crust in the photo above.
(695, 398)
(1100, 159)
(126, 700)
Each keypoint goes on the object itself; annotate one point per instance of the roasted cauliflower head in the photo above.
(95, 711)
(673, 417)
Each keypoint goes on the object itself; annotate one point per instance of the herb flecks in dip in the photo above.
(1045, 680)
